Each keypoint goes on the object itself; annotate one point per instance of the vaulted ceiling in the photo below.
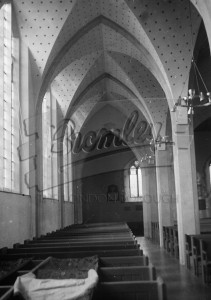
(93, 51)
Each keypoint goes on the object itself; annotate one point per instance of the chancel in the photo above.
(105, 152)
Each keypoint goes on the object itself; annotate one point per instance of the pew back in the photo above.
(132, 273)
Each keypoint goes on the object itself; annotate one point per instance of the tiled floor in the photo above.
(181, 283)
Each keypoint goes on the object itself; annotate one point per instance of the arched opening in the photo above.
(136, 189)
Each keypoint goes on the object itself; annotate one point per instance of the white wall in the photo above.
(50, 215)
(15, 219)
(16, 222)
(68, 213)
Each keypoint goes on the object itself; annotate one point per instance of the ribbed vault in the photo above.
(145, 46)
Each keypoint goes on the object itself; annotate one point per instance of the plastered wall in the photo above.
(15, 219)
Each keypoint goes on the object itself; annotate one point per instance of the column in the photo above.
(28, 137)
(164, 188)
(185, 179)
(149, 197)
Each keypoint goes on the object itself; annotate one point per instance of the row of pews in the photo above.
(155, 235)
(170, 238)
(197, 247)
(124, 272)
(198, 251)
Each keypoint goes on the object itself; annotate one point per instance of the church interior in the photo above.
(105, 126)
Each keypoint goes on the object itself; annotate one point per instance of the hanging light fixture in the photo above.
(189, 101)
(159, 141)
(194, 99)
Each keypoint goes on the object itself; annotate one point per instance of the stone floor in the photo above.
(181, 283)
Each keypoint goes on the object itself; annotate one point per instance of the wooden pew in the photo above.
(62, 248)
(78, 246)
(140, 275)
(98, 230)
(75, 244)
(88, 238)
(88, 235)
(155, 232)
(196, 250)
(165, 239)
(205, 250)
(188, 250)
(97, 225)
(131, 290)
(95, 229)
(170, 237)
(119, 258)
(91, 225)
(67, 254)
(205, 226)
(123, 261)
(175, 242)
(46, 243)
(127, 273)
(82, 240)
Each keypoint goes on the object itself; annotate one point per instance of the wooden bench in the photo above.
(205, 225)
(78, 246)
(116, 228)
(67, 254)
(131, 290)
(120, 260)
(205, 228)
(176, 241)
(170, 238)
(194, 249)
(62, 248)
(34, 244)
(98, 230)
(127, 273)
(165, 238)
(123, 261)
(205, 250)
(90, 237)
(91, 225)
(84, 240)
(188, 250)
(155, 232)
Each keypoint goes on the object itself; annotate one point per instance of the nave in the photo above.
(128, 267)
(181, 283)
(91, 261)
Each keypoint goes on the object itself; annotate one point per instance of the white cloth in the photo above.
(55, 289)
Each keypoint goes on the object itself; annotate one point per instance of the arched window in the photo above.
(67, 166)
(9, 103)
(50, 163)
(135, 181)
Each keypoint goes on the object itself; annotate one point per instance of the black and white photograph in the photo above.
(105, 150)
